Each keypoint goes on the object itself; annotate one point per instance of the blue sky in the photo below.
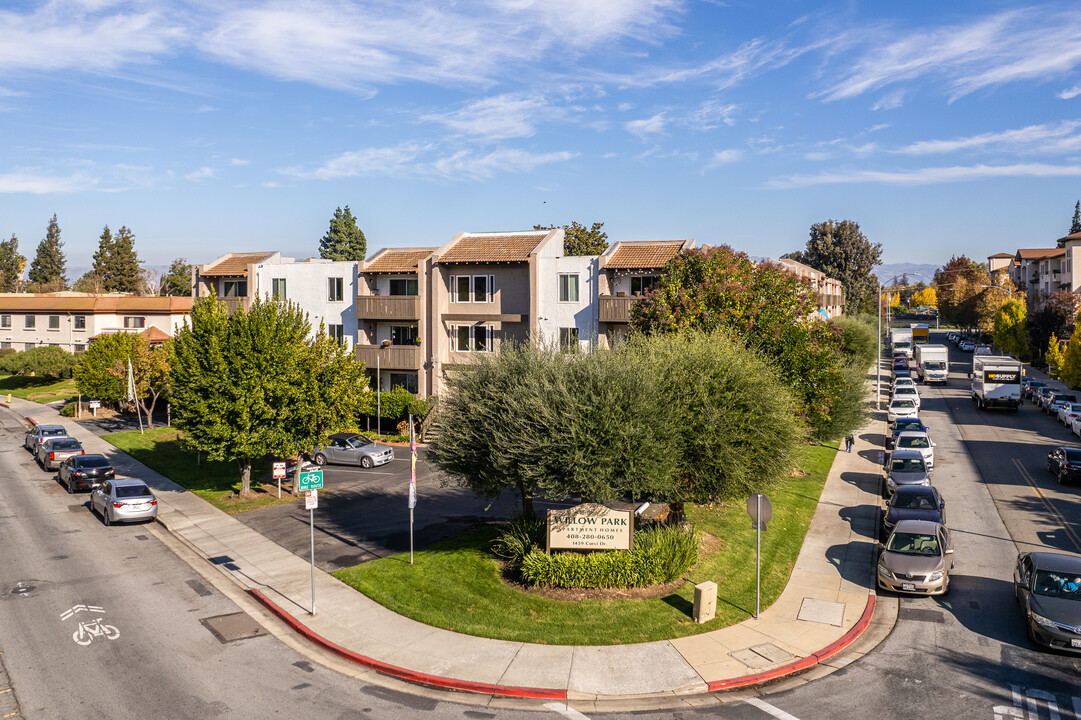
(208, 126)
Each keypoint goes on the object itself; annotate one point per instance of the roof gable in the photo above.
(511, 247)
(644, 254)
(233, 264)
(397, 260)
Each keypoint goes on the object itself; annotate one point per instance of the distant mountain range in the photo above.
(916, 273)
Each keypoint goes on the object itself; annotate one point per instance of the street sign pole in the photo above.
(757, 562)
(312, 482)
(311, 519)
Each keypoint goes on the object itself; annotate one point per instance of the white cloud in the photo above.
(237, 162)
(926, 176)
(512, 115)
(475, 166)
(889, 101)
(647, 126)
(724, 157)
(396, 161)
(1062, 137)
(35, 184)
(625, 106)
(203, 173)
(711, 114)
(1069, 94)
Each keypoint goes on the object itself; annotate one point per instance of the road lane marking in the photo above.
(770, 710)
(565, 710)
(1047, 503)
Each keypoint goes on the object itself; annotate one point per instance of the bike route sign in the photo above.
(311, 480)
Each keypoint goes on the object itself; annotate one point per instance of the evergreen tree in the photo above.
(125, 275)
(344, 240)
(12, 265)
(177, 280)
(49, 266)
(103, 258)
(1075, 226)
(842, 251)
(580, 240)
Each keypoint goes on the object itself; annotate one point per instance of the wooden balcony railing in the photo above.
(388, 307)
(233, 303)
(614, 308)
(395, 357)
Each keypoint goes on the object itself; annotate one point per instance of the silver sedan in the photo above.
(123, 500)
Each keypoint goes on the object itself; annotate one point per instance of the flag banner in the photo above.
(131, 383)
(412, 465)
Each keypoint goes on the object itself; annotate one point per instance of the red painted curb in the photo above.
(32, 421)
(803, 663)
(403, 673)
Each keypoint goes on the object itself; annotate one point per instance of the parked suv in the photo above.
(54, 451)
(39, 433)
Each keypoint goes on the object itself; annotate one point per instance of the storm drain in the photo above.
(234, 626)
(760, 656)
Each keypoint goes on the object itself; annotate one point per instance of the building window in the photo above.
(28, 346)
(54, 322)
(642, 284)
(30, 323)
(482, 288)
(234, 288)
(80, 322)
(568, 288)
(461, 288)
(134, 322)
(80, 348)
(482, 338)
(5, 321)
(568, 338)
(459, 338)
(403, 334)
(404, 380)
(335, 289)
(336, 332)
(403, 286)
(5, 346)
(277, 289)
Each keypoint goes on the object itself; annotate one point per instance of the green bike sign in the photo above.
(311, 480)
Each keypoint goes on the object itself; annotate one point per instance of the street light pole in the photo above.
(878, 358)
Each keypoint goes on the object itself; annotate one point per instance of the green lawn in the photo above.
(454, 584)
(38, 389)
(215, 482)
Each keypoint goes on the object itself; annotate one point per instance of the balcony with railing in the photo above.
(232, 304)
(616, 308)
(388, 307)
(394, 357)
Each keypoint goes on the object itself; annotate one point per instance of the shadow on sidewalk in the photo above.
(862, 519)
(852, 560)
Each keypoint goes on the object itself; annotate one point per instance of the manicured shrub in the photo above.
(518, 538)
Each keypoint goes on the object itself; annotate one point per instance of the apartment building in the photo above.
(70, 320)
(324, 289)
(829, 292)
(1000, 261)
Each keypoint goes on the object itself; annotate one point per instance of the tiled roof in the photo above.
(234, 264)
(1039, 253)
(493, 247)
(94, 304)
(643, 255)
(397, 260)
(155, 335)
(1000, 255)
(1068, 238)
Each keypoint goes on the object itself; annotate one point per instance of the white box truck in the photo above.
(932, 362)
(901, 340)
(996, 381)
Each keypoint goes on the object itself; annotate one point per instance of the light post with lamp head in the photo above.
(379, 387)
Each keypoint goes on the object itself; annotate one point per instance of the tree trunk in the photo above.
(677, 514)
(245, 478)
(296, 475)
(527, 502)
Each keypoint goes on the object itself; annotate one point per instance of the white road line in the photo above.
(770, 710)
(565, 710)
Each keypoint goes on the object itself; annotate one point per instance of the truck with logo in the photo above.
(920, 334)
(996, 381)
(901, 340)
(932, 363)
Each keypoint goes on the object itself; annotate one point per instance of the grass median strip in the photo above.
(216, 482)
(454, 584)
(38, 389)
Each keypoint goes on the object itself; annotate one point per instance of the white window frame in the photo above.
(471, 340)
(79, 323)
(567, 345)
(279, 289)
(54, 322)
(471, 292)
(134, 322)
(336, 289)
(564, 285)
(30, 322)
(5, 322)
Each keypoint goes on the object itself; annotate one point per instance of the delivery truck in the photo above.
(996, 381)
(901, 340)
(932, 363)
(920, 334)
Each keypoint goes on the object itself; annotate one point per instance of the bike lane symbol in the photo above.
(90, 629)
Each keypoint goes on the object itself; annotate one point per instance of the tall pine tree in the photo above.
(103, 258)
(125, 274)
(344, 240)
(49, 266)
(177, 281)
(12, 265)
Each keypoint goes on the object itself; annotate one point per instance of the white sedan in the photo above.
(1068, 412)
(903, 392)
(901, 407)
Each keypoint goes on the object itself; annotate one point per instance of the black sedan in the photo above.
(1048, 588)
(82, 472)
(914, 502)
(1065, 463)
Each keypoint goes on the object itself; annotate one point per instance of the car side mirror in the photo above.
(949, 551)
(888, 502)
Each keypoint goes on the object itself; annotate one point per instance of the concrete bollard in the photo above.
(705, 601)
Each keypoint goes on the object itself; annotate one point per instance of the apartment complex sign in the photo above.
(590, 526)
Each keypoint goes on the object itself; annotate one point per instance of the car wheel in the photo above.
(71, 488)
(366, 463)
(105, 516)
(320, 459)
(946, 590)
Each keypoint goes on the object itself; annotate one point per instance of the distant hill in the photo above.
(916, 273)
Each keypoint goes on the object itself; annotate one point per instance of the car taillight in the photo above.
(118, 504)
(153, 502)
(82, 452)
(52, 456)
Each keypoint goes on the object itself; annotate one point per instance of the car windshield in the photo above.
(917, 442)
(53, 432)
(913, 501)
(65, 445)
(1057, 584)
(902, 404)
(935, 365)
(131, 491)
(90, 461)
(913, 544)
(358, 443)
(908, 465)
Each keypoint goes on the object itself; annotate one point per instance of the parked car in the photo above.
(1029, 387)
(966, 346)
(899, 407)
(1057, 400)
(1043, 394)
(82, 472)
(906, 467)
(1064, 463)
(914, 502)
(919, 441)
(903, 381)
(902, 424)
(1068, 412)
(353, 449)
(1048, 588)
(123, 500)
(1075, 426)
(901, 367)
(56, 450)
(907, 393)
(40, 433)
(917, 559)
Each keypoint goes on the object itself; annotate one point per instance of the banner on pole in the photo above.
(412, 465)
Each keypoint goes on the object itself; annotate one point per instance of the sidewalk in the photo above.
(828, 603)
